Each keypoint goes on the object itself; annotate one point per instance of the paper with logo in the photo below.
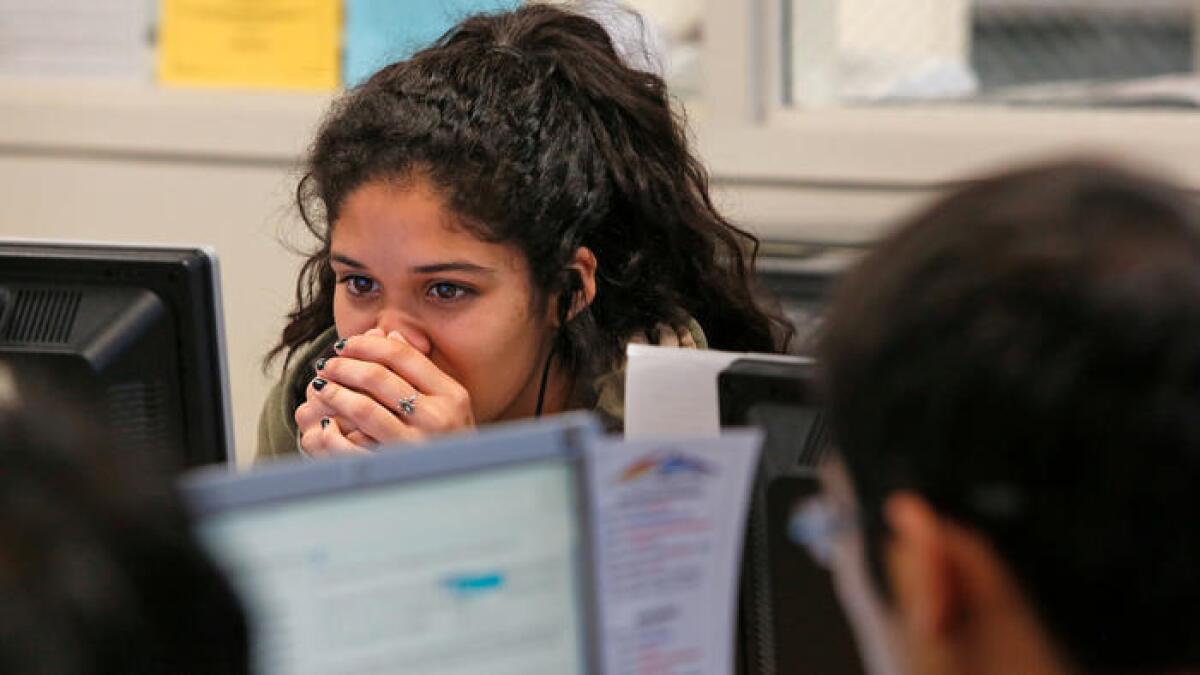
(285, 44)
(669, 516)
(674, 391)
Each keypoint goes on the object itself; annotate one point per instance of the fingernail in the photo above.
(395, 335)
(319, 384)
(340, 344)
(321, 363)
(325, 422)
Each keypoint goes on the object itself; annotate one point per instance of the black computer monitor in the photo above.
(136, 328)
(789, 618)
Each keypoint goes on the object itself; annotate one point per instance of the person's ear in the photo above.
(923, 568)
(583, 267)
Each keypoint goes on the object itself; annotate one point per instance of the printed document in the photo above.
(669, 516)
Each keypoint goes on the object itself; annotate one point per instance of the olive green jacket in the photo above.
(279, 437)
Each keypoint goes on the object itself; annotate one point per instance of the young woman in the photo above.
(497, 217)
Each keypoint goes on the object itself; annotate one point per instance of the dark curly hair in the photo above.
(536, 134)
(1025, 354)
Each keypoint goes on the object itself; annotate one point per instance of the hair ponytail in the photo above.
(537, 134)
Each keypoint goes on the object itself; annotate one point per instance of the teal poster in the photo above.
(379, 32)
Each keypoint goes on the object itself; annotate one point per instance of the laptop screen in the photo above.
(466, 572)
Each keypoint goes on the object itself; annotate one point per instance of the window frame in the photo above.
(746, 134)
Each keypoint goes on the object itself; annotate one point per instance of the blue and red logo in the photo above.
(664, 464)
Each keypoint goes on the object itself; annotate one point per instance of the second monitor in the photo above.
(790, 620)
(137, 328)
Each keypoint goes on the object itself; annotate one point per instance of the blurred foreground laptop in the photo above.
(403, 561)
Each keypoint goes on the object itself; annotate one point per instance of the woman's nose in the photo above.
(413, 334)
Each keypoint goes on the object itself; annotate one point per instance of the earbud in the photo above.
(572, 285)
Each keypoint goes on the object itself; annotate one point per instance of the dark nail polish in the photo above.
(319, 384)
(340, 344)
(321, 363)
(324, 422)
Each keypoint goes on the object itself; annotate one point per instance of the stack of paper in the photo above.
(75, 38)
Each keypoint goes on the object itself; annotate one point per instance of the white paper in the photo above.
(76, 38)
(669, 390)
(669, 516)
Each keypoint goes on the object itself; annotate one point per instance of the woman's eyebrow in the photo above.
(347, 261)
(451, 267)
(432, 268)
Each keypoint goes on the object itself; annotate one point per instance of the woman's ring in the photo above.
(408, 404)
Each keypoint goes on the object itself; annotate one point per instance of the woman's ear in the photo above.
(583, 266)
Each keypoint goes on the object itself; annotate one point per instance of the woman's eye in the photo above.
(358, 284)
(445, 291)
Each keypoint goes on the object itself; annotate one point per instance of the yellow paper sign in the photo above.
(289, 44)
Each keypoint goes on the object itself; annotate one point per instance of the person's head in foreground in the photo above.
(497, 217)
(1014, 377)
(99, 570)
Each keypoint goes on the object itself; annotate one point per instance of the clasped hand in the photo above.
(378, 389)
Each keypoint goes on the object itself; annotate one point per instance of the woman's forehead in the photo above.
(409, 224)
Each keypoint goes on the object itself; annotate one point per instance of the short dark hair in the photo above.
(1025, 354)
(537, 134)
(99, 569)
